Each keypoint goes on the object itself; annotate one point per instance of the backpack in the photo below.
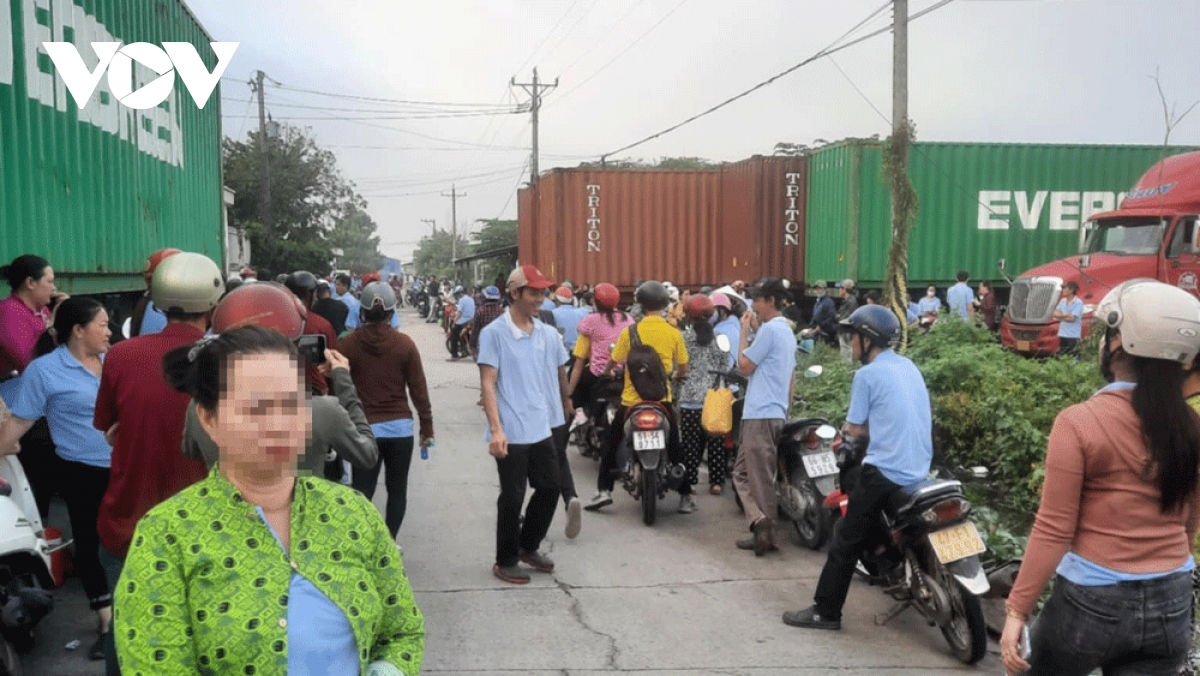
(645, 369)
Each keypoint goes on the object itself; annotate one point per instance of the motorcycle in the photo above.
(927, 556)
(25, 569)
(647, 474)
(590, 436)
(421, 302)
(808, 474)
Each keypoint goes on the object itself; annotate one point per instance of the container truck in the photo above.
(95, 190)
(1153, 234)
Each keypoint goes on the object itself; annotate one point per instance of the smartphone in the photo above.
(1026, 648)
(312, 348)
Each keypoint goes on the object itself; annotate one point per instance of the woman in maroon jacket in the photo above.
(387, 370)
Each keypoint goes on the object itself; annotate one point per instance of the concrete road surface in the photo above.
(673, 599)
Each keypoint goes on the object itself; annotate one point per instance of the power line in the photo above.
(603, 36)
(499, 110)
(432, 116)
(823, 53)
(436, 192)
(376, 99)
(547, 37)
(563, 39)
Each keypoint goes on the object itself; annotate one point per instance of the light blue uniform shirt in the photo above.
(959, 297)
(63, 390)
(352, 319)
(914, 312)
(527, 377)
(154, 321)
(567, 318)
(1075, 309)
(393, 429)
(774, 355)
(889, 395)
(320, 638)
(466, 308)
(548, 305)
(731, 328)
(929, 305)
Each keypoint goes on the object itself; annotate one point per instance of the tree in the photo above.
(309, 197)
(667, 163)
(497, 234)
(355, 236)
(432, 256)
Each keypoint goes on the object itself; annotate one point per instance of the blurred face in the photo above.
(931, 292)
(263, 419)
(41, 290)
(93, 337)
(528, 301)
(762, 306)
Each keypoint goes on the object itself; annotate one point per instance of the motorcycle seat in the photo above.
(792, 426)
(920, 496)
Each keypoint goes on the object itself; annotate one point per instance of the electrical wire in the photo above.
(603, 36)
(435, 116)
(553, 28)
(436, 192)
(376, 99)
(499, 110)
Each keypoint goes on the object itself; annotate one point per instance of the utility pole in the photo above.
(431, 223)
(900, 66)
(904, 197)
(454, 195)
(264, 195)
(535, 89)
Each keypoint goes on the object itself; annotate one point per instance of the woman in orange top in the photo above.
(1120, 507)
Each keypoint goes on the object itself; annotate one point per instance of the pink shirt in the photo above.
(600, 335)
(20, 328)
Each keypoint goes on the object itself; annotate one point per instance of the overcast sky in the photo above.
(1065, 71)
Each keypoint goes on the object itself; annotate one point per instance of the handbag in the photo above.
(717, 415)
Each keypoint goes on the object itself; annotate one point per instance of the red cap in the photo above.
(154, 259)
(564, 295)
(528, 276)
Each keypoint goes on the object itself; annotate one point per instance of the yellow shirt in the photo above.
(1194, 402)
(666, 340)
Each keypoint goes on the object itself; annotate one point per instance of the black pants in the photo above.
(41, 464)
(537, 465)
(82, 487)
(395, 455)
(1068, 345)
(860, 526)
(457, 349)
(695, 443)
(609, 462)
(566, 483)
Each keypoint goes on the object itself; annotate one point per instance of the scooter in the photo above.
(808, 474)
(647, 472)
(25, 569)
(591, 435)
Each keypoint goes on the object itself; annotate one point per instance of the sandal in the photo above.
(96, 652)
(716, 489)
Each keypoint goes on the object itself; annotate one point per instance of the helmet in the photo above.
(652, 296)
(672, 293)
(153, 260)
(187, 282)
(248, 272)
(281, 278)
(378, 293)
(721, 300)
(607, 296)
(491, 293)
(458, 291)
(265, 304)
(301, 282)
(706, 290)
(370, 277)
(564, 295)
(699, 305)
(1156, 320)
(876, 323)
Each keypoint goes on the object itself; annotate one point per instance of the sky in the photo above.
(1021, 71)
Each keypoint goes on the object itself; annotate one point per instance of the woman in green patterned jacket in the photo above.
(256, 570)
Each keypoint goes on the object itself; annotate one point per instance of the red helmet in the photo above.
(265, 304)
(249, 272)
(607, 296)
(698, 305)
(370, 277)
(154, 259)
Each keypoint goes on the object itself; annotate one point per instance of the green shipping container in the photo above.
(96, 190)
(979, 203)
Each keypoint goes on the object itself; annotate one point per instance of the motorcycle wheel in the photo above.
(966, 632)
(10, 662)
(813, 525)
(649, 497)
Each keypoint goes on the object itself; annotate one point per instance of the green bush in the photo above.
(991, 407)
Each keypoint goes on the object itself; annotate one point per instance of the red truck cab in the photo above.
(1152, 234)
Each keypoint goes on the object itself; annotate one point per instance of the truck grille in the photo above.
(1033, 300)
(1029, 336)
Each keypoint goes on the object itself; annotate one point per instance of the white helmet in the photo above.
(187, 282)
(1156, 320)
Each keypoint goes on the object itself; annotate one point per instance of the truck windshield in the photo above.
(1126, 236)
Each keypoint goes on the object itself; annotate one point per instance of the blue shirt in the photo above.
(959, 297)
(889, 395)
(929, 305)
(63, 390)
(393, 429)
(527, 377)
(353, 321)
(914, 312)
(320, 638)
(466, 308)
(548, 305)
(731, 328)
(774, 355)
(567, 318)
(154, 321)
(1075, 309)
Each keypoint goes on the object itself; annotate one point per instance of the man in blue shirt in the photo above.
(889, 401)
(522, 368)
(567, 316)
(961, 298)
(824, 319)
(461, 319)
(1069, 314)
(770, 364)
(341, 287)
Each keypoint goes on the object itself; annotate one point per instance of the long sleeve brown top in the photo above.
(386, 368)
(1100, 501)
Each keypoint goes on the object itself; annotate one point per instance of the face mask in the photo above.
(931, 294)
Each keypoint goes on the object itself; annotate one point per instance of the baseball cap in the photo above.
(491, 293)
(528, 276)
(564, 295)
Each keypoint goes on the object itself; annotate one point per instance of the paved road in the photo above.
(671, 600)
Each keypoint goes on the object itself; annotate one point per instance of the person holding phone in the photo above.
(387, 370)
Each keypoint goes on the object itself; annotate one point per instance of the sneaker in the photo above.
(602, 499)
(761, 541)
(538, 561)
(511, 574)
(687, 504)
(809, 618)
(574, 518)
(580, 418)
(716, 489)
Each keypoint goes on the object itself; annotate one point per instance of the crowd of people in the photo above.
(218, 466)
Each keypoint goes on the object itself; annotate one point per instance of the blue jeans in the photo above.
(112, 572)
(1126, 629)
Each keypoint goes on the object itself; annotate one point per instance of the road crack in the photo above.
(614, 652)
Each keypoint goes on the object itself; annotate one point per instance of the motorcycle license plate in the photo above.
(1022, 345)
(649, 441)
(957, 543)
(820, 464)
